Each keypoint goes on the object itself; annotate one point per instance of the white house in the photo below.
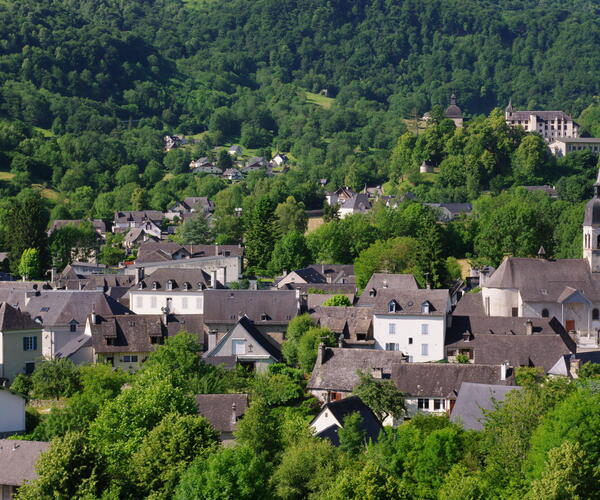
(171, 290)
(413, 322)
(12, 413)
(565, 145)
(358, 204)
(549, 124)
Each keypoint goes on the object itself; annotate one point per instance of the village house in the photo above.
(380, 282)
(413, 322)
(335, 373)
(12, 413)
(492, 340)
(235, 150)
(448, 211)
(223, 411)
(549, 124)
(98, 225)
(126, 341)
(358, 204)
(139, 235)
(269, 310)
(352, 325)
(18, 464)
(177, 291)
(227, 260)
(62, 314)
(123, 221)
(319, 274)
(432, 388)
(232, 174)
(279, 160)
(340, 196)
(190, 205)
(454, 113)
(564, 145)
(474, 400)
(173, 141)
(255, 163)
(333, 415)
(20, 343)
(549, 190)
(252, 348)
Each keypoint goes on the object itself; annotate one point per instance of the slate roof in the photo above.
(453, 208)
(310, 275)
(74, 345)
(470, 304)
(98, 224)
(541, 280)
(327, 288)
(179, 278)
(410, 302)
(563, 364)
(138, 216)
(133, 332)
(348, 321)
(359, 201)
(381, 281)
(473, 399)
(60, 307)
(336, 369)
(343, 408)
(218, 409)
(336, 273)
(315, 300)
(12, 318)
(226, 306)
(18, 459)
(165, 251)
(541, 115)
(443, 380)
(453, 111)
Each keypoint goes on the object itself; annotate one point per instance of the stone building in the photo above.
(549, 124)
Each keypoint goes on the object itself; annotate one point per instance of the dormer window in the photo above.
(140, 285)
(155, 285)
(186, 286)
(170, 285)
(154, 339)
(372, 292)
(425, 307)
(200, 285)
(264, 317)
(393, 306)
(110, 341)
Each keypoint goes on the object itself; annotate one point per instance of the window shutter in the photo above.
(34, 343)
(24, 343)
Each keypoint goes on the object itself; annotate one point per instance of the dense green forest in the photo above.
(89, 89)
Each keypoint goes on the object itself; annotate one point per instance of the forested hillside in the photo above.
(89, 88)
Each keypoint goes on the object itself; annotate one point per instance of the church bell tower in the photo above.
(591, 230)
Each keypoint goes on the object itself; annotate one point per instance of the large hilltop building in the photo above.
(549, 124)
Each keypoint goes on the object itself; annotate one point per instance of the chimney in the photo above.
(377, 372)
(165, 317)
(222, 275)
(321, 354)
(574, 365)
(213, 279)
(341, 340)
(139, 274)
(529, 327)
(212, 339)
(233, 414)
(504, 370)
(253, 284)
(52, 274)
(93, 317)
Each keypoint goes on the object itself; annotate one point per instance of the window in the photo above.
(186, 286)
(154, 285)
(130, 359)
(73, 327)
(372, 292)
(389, 346)
(156, 340)
(44, 309)
(184, 303)
(170, 285)
(423, 404)
(238, 347)
(110, 341)
(153, 302)
(391, 328)
(515, 312)
(410, 340)
(392, 306)
(424, 329)
(595, 314)
(30, 343)
(139, 301)
(545, 313)
(29, 368)
(438, 404)
(424, 349)
(425, 307)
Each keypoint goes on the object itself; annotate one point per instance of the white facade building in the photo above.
(12, 413)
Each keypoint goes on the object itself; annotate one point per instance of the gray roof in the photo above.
(310, 275)
(578, 140)
(97, 224)
(18, 460)
(348, 321)
(409, 302)
(549, 190)
(470, 304)
(563, 364)
(591, 215)
(336, 368)
(473, 399)
(74, 345)
(494, 340)
(60, 307)
(343, 408)
(315, 300)
(336, 273)
(359, 201)
(326, 288)
(218, 409)
(541, 280)
(133, 332)
(138, 216)
(12, 318)
(166, 250)
(226, 306)
(541, 115)
(443, 380)
(180, 280)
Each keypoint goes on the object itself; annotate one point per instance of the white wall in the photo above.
(409, 327)
(412, 406)
(323, 420)
(148, 302)
(501, 300)
(12, 412)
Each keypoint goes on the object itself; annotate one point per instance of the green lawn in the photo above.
(320, 100)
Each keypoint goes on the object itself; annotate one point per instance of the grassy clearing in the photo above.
(6, 176)
(47, 193)
(314, 223)
(319, 100)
